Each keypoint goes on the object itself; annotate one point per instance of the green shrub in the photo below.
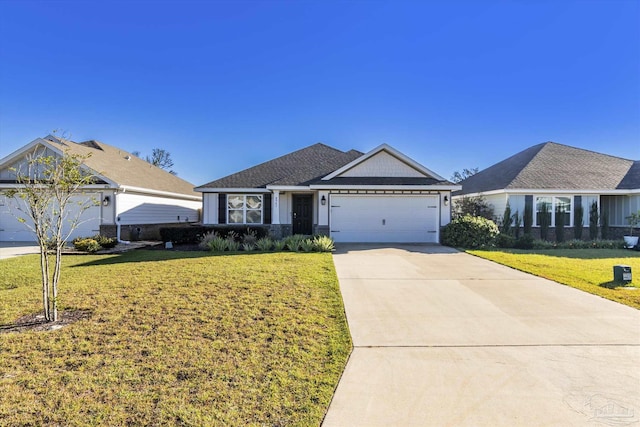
(578, 221)
(293, 242)
(579, 244)
(279, 245)
(594, 216)
(232, 244)
(248, 247)
(524, 242)
(323, 244)
(306, 245)
(545, 221)
(86, 245)
(527, 219)
(469, 232)
(216, 243)
(265, 244)
(560, 224)
(206, 240)
(604, 225)
(192, 234)
(105, 242)
(504, 241)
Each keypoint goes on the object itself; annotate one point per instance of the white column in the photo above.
(275, 207)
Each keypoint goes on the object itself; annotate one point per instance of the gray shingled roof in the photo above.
(555, 166)
(111, 162)
(299, 168)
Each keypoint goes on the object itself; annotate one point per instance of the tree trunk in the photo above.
(44, 268)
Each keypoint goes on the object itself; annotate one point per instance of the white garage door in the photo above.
(12, 230)
(384, 218)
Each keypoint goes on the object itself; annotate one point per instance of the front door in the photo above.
(303, 214)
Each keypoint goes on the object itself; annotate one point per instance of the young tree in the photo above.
(461, 176)
(474, 206)
(48, 186)
(160, 158)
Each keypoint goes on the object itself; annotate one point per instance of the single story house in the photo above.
(379, 196)
(134, 197)
(563, 177)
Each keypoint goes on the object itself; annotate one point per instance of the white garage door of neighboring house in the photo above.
(384, 218)
(12, 230)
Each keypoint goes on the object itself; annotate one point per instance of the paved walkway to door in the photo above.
(442, 338)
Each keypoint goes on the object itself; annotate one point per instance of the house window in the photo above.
(244, 209)
(554, 203)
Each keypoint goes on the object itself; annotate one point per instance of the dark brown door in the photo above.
(302, 214)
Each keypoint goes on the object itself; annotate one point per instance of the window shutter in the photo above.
(222, 208)
(266, 203)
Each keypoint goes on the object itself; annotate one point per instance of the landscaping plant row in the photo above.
(250, 241)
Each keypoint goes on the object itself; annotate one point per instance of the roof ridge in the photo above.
(586, 150)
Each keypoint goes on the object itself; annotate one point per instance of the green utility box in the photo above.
(621, 273)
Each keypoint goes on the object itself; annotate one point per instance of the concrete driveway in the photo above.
(442, 338)
(13, 249)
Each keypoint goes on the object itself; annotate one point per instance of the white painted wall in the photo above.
(210, 208)
(135, 208)
(285, 208)
(445, 210)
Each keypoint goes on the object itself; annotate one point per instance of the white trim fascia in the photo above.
(395, 153)
(551, 191)
(231, 190)
(289, 187)
(126, 188)
(386, 187)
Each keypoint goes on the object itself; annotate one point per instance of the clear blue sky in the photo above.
(225, 85)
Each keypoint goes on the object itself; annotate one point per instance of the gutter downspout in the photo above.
(126, 242)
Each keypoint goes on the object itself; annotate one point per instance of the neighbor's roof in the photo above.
(555, 166)
(298, 168)
(124, 168)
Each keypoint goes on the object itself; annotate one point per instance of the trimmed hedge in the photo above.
(193, 234)
(469, 232)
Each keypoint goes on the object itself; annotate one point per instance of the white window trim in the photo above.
(552, 209)
(245, 209)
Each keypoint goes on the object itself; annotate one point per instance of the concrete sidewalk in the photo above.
(14, 249)
(444, 338)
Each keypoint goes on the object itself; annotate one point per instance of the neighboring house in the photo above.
(564, 177)
(134, 197)
(380, 196)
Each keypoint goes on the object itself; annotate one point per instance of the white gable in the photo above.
(19, 163)
(383, 164)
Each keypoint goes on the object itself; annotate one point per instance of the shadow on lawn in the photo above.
(145, 255)
(616, 285)
(580, 253)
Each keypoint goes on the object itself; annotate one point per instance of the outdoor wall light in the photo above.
(446, 200)
(106, 200)
(323, 200)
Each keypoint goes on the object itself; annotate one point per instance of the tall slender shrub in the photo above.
(593, 220)
(560, 224)
(578, 221)
(544, 221)
(604, 225)
(527, 219)
(505, 226)
(517, 222)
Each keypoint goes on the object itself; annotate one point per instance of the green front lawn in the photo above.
(176, 338)
(590, 270)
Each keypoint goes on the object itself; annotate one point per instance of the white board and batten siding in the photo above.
(134, 208)
(385, 218)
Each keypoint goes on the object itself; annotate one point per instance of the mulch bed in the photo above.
(37, 322)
